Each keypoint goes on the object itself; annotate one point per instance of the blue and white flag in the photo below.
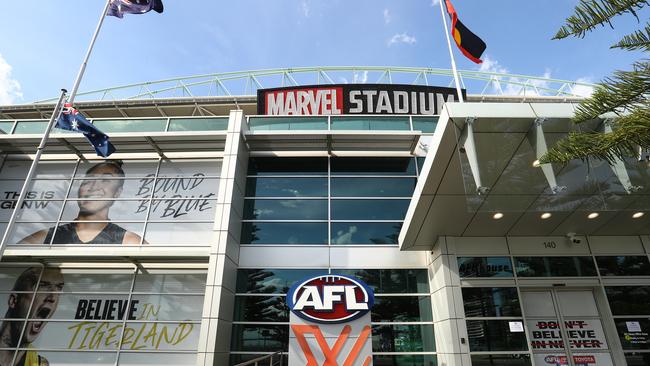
(72, 120)
(118, 8)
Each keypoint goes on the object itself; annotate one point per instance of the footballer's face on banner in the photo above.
(104, 184)
(44, 303)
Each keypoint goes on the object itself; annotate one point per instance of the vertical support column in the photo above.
(216, 321)
(468, 143)
(447, 303)
(618, 166)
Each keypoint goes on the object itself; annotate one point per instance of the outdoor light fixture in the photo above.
(536, 164)
(638, 215)
(497, 216)
(593, 215)
(546, 215)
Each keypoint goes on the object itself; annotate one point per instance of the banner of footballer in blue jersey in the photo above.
(171, 202)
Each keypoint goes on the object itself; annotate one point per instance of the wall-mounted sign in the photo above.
(330, 299)
(354, 99)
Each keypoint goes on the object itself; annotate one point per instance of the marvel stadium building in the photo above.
(244, 212)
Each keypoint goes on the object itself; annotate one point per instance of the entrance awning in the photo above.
(481, 178)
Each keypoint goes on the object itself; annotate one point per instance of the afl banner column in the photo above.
(330, 322)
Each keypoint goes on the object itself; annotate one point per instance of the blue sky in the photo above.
(42, 42)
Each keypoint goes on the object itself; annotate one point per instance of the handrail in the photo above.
(257, 361)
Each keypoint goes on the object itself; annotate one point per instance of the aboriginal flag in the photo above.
(469, 43)
(118, 8)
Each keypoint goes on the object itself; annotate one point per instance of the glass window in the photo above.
(629, 300)
(371, 123)
(30, 127)
(634, 333)
(425, 124)
(555, 266)
(491, 301)
(284, 233)
(375, 209)
(401, 309)
(420, 160)
(404, 360)
(286, 187)
(377, 233)
(373, 166)
(285, 209)
(198, 124)
(131, 125)
(236, 359)
(637, 359)
(373, 187)
(5, 127)
(287, 123)
(403, 338)
(484, 267)
(260, 338)
(494, 335)
(391, 281)
(624, 266)
(501, 360)
(287, 166)
(261, 308)
(272, 281)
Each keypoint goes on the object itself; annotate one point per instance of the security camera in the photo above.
(573, 238)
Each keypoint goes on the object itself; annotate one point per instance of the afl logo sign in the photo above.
(330, 299)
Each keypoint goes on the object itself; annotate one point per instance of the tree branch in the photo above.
(591, 13)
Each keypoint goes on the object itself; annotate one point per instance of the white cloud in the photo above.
(306, 10)
(512, 85)
(583, 90)
(435, 2)
(361, 78)
(387, 17)
(10, 90)
(401, 38)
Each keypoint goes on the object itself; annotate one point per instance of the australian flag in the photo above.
(72, 120)
(118, 8)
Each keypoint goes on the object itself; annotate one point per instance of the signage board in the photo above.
(350, 99)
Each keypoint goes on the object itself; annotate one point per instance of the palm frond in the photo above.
(622, 91)
(591, 13)
(639, 40)
(629, 132)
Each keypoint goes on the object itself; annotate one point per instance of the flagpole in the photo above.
(80, 75)
(451, 54)
(55, 116)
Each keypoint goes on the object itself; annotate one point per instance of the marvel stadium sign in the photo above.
(354, 99)
(330, 299)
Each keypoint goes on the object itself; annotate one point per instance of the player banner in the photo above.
(113, 202)
(54, 315)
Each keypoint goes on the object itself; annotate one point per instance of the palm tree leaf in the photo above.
(591, 13)
(639, 40)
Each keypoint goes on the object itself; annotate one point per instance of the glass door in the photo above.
(560, 317)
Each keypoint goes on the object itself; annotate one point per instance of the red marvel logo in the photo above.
(330, 299)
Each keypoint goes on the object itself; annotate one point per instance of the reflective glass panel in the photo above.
(404, 360)
(371, 123)
(624, 266)
(272, 281)
(261, 308)
(5, 127)
(629, 300)
(30, 127)
(491, 301)
(377, 233)
(286, 187)
(391, 281)
(198, 124)
(283, 233)
(402, 309)
(373, 187)
(287, 123)
(260, 338)
(131, 125)
(285, 209)
(425, 124)
(403, 338)
(555, 266)
(501, 360)
(634, 333)
(494, 335)
(484, 267)
(369, 209)
(287, 166)
(637, 359)
(373, 166)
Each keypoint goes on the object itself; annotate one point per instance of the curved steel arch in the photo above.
(247, 82)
